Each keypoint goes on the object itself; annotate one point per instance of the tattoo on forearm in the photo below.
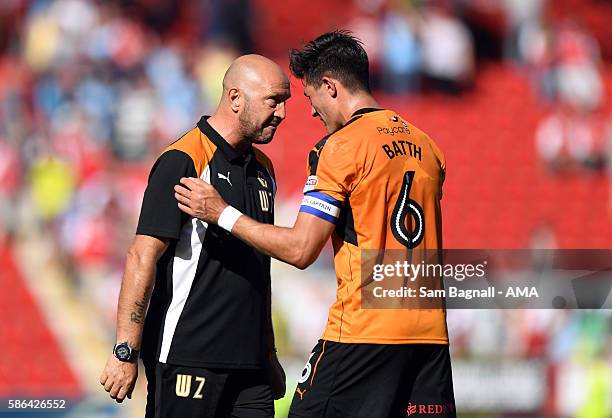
(137, 315)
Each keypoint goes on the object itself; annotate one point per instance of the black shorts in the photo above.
(375, 381)
(177, 391)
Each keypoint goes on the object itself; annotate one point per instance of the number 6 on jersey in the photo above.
(404, 207)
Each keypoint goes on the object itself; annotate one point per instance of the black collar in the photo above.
(364, 111)
(220, 142)
(357, 114)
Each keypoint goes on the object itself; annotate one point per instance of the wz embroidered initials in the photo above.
(183, 386)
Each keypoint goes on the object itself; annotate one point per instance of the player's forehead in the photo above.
(280, 86)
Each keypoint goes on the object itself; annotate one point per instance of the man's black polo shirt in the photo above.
(208, 307)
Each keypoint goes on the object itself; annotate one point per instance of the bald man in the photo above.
(206, 339)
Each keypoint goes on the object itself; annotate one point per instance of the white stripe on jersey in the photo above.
(186, 257)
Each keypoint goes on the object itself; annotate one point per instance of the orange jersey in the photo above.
(379, 180)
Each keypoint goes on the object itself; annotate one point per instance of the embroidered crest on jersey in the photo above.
(262, 179)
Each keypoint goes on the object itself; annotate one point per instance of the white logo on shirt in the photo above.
(311, 183)
(221, 176)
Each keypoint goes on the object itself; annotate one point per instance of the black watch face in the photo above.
(122, 352)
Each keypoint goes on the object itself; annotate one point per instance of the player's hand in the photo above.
(277, 377)
(199, 199)
(119, 378)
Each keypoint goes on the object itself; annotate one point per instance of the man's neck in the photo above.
(355, 102)
(229, 131)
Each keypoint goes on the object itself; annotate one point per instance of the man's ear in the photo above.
(330, 86)
(235, 98)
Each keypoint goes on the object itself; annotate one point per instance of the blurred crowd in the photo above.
(91, 91)
(565, 63)
(433, 46)
(416, 47)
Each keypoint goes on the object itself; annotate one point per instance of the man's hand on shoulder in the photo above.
(119, 378)
(199, 199)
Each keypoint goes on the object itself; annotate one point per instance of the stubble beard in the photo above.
(249, 129)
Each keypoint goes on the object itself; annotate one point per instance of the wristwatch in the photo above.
(124, 352)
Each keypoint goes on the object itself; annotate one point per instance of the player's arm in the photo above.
(137, 286)
(299, 245)
(160, 221)
(119, 378)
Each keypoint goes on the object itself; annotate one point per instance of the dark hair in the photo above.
(335, 54)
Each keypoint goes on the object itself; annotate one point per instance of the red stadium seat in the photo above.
(32, 363)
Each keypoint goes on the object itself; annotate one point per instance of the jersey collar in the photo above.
(357, 114)
(364, 110)
(230, 153)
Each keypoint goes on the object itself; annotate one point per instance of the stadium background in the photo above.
(515, 92)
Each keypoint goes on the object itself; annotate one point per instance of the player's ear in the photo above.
(330, 86)
(235, 98)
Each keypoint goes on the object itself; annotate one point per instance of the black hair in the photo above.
(335, 54)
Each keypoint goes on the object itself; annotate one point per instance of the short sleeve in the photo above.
(160, 215)
(333, 172)
(441, 163)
